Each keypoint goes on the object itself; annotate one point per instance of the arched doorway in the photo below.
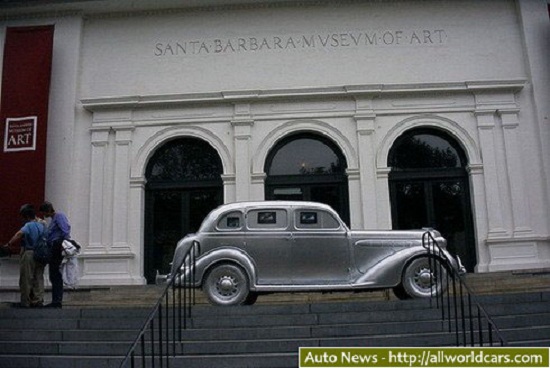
(308, 167)
(183, 184)
(429, 188)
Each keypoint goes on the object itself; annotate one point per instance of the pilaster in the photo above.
(355, 203)
(100, 143)
(258, 186)
(516, 178)
(383, 212)
(493, 183)
(242, 124)
(365, 122)
(123, 140)
(229, 192)
(478, 196)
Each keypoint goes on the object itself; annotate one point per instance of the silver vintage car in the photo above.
(249, 248)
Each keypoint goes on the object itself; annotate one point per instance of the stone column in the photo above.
(229, 192)
(97, 222)
(136, 226)
(383, 198)
(493, 177)
(242, 132)
(123, 139)
(478, 195)
(364, 119)
(520, 205)
(355, 202)
(258, 186)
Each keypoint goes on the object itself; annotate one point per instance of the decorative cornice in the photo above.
(508, 111)
(512, 85)
(250, 96)
(50, 14)
(485, 112)
(91, 9)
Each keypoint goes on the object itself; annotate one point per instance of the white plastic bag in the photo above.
(70, 272)
(69, 266)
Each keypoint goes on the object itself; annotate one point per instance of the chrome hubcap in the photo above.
(425, 278)
(226, 285)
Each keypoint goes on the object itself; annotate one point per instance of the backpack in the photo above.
(42, 250)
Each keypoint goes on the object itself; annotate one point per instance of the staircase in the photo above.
(264, 335)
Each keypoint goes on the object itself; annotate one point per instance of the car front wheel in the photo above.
(424, 278)
(226, 284)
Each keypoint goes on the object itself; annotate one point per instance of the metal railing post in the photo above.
(181, 310)
(461, 302)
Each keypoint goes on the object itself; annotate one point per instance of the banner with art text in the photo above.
(26, 75)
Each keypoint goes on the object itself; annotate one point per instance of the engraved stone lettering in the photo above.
(334, 40)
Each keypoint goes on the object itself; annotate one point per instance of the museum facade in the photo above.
(399, 114)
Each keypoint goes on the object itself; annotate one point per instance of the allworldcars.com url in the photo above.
(424, 357)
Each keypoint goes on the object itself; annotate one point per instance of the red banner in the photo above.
(26, 77)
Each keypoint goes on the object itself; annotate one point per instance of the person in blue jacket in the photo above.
(58, 230)
(31, 273)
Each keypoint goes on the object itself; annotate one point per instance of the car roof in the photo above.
(266, 204)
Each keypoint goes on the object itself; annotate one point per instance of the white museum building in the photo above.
(399, 114)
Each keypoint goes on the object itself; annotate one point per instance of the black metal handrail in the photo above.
(160, 336)
(168, 318)
(460, 308)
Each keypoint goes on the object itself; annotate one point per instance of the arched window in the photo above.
(429, 187)
(426, 149)
(184, 161)
(183, 185)
(308, 167)
(306, 155)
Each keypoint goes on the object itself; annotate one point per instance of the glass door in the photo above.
(172, 214)
(429, 188)
(183, 185)
(442, 204)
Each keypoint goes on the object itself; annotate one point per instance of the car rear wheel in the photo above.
(424, 278)
(226, 284)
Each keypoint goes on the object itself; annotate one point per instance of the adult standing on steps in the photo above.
(31, 273)
(58, 230)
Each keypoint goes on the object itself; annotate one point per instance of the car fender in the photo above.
(387, 272)
(225, 255)
(181, 251)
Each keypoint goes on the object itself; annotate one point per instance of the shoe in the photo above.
(53, 305)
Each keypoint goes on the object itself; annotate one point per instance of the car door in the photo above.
(320, 249)
(268, 242)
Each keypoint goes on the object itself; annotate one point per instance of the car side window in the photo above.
(231, 221)
(267, 219)
(315, 219)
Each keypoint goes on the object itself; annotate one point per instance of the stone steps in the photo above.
(264, 335)
(97, 325)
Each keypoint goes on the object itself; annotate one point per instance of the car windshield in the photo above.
(208, 221)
